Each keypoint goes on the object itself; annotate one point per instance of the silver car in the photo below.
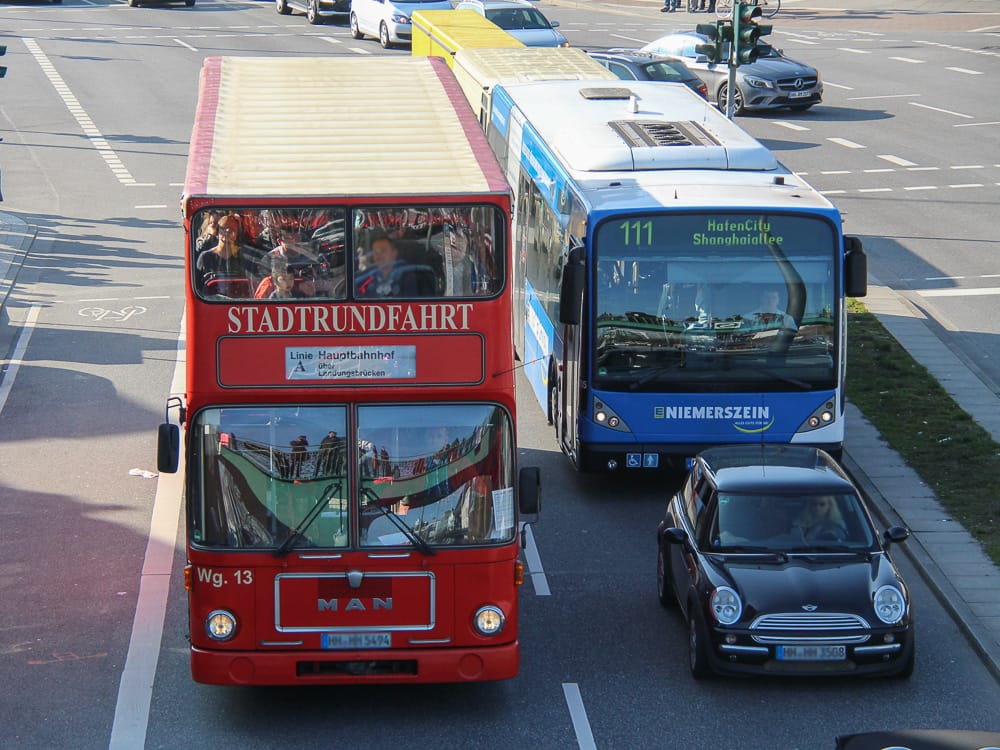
(389, 20)
(773, 82)
(520, 19)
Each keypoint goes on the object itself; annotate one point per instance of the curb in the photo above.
(940, 584)
(16, 237)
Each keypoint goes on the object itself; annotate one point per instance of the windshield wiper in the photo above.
(399, 523)
(837, 548)
(329, 491)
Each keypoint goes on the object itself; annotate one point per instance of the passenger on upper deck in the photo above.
(391, 276)
(223, 260)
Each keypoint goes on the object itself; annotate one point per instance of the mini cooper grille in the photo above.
(828, 627)
(638, 133)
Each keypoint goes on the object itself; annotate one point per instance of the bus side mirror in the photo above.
(855, 268)
(168, 448)
(574, 279)
(529, 490)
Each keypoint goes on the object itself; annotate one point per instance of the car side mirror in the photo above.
(896, 534)
(168, 448)
(675, 535)
(529, 488)
(554, 24)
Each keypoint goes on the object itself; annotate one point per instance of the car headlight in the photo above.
(400, 18)
(890, 605)
(220, 625)
(726, 605)
(758, 83)
(489, 620)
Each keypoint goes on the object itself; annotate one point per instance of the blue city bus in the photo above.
(676, 286)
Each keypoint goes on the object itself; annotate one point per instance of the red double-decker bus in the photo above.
(353, 503)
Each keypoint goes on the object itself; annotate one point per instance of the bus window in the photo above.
(427, 252)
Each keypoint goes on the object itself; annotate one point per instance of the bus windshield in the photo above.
(739, 302)
(335, 253)
(297, 476)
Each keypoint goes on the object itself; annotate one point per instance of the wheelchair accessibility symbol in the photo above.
(633, 460)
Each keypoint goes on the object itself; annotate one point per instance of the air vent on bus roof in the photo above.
(638, 133)
(611, 92)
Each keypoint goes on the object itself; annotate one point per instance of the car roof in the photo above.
(633, 55)
(775, 469)
(494, 4)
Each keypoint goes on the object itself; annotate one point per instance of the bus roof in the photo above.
(667, 147)
(635, 125)
(453, 30)
(335, 126)
(491, 66)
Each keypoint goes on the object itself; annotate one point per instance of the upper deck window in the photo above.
(334, 254)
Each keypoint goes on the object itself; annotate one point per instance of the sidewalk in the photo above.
(947, 556)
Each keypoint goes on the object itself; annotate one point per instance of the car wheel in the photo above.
(282, 7)
(697, 643)
(724, 99)
(664, 588)
(312, 13)
(383, 36)
(355, 31)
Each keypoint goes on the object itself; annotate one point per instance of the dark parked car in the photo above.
(773, 82)
(777, 567)
(633, 65)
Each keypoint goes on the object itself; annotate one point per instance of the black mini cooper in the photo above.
(778, 568)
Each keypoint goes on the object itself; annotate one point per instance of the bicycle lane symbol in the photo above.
(117, 316)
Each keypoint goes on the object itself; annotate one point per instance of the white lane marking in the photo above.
(966, 71)
(12, 365)
(967, 166)
(135, 692)
(828, 84)
(845, 143)
(185, 44)
(897, 160)
(881, 96)
(790, 125)
(943, 111)
(531, 556)
(855, 51)
(908, 60)
(81, 116)
(578, 714)
(922, 187)
(976, 292)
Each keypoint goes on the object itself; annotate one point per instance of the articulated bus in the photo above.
(353, 504)
(676, 286)
(442, 33)
(478, 70)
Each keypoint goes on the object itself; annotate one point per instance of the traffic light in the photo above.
(718, 34)
(3, 68)
(746, 33)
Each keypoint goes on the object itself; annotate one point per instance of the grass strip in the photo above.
(954, 456)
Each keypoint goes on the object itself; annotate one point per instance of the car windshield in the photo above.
(791, 523)
(517, 18)
(663, 71)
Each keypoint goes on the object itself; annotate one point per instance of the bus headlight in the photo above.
(220, 625)
(489, 620)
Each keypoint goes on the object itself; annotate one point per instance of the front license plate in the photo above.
(356, 640)
(799, 94)
(812, 653)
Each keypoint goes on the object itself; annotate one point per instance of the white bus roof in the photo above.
(490, 66)
(632, 143)
(599, 126)
(335, 126)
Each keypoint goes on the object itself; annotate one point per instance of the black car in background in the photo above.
(777, 567)
(633, 65)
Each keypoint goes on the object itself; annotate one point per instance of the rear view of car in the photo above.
(633, 65)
